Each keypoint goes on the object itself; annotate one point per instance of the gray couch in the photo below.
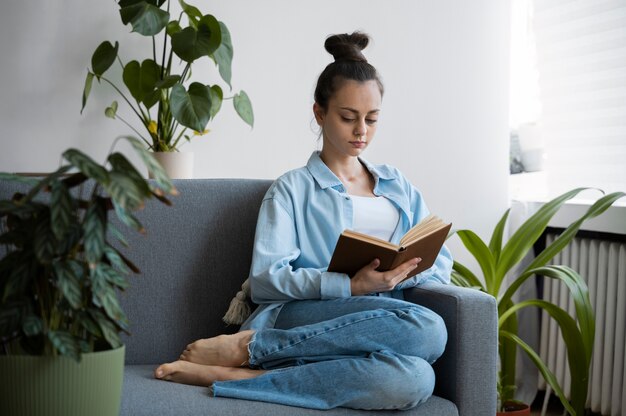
(195, 257)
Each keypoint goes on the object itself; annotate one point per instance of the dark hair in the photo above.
(350, 64)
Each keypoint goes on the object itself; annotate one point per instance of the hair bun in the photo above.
(347, 46)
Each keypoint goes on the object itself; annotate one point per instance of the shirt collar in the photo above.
(325, 178)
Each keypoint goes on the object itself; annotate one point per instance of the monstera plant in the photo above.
(159, 90)
(501, 277)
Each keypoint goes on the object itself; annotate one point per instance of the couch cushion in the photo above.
(144, 395)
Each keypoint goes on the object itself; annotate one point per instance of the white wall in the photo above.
(444, 65)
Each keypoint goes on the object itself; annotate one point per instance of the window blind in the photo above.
(581, 60)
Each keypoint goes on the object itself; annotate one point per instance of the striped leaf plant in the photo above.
(60, 266)
(501, 278)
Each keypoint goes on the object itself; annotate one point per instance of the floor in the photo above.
(555, 408)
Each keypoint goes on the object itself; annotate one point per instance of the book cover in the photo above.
(355, 250)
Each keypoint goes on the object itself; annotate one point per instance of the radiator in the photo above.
(602, 263)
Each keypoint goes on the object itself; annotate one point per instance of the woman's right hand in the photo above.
(368, 280)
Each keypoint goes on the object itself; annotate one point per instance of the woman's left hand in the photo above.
(369, 280)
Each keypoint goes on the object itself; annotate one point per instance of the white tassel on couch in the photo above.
(239, 309)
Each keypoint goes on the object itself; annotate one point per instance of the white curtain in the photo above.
(581, 62)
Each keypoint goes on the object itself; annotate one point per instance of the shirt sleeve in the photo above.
(442, 267)
(273, 277)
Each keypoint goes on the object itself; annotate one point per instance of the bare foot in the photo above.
(202, 375)
(223, 350)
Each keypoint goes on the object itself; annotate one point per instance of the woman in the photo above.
(315, 341)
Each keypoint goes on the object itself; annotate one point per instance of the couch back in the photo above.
(193, 259)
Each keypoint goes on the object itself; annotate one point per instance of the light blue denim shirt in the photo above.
(301, 217)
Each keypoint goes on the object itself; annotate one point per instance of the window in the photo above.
(568, 92)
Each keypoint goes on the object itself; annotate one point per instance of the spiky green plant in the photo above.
(499, 258)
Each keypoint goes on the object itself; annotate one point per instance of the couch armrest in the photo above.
(466, 372)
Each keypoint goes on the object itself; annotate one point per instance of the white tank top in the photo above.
(375, 216)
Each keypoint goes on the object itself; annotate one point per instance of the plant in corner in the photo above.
(166, 108)
(498, 259)
(60, 272)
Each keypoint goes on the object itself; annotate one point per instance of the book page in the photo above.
(371, 239)
(425, 227)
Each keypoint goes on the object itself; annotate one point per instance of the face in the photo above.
(349, 123)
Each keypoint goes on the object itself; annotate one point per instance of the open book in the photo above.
(356, 250)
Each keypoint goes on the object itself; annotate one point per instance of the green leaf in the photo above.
(102, 59)
(527, 234)
(541, 366)
(98, 283)
(115, 259)
(600, 206)
(45, 182)
(127, 218)
(65, 344)
(22, 273)
(495, 244)
(151, 99)
(483, 256)
(145, 18)
(89, 324)
(576, 354)
(192, 13)
(86, 165)
(68, 283)
(224, 55)
(191, 108)
(507, 350)
(209, 24)
(190, 44)
(102, 277)
(167, 82)
(61, 209)
(112, 308)
(94, 226)
(579, 293)
(121, 164)
(141, 79)
(161, 178)
(109, 331)
(173, 27)
(44, 242)
(124, 191)
(468, 277)
(71, 238)
(243, 106)
(32, 325)
(111, 111)
(118, 235)
(217, 97)
(87, 89)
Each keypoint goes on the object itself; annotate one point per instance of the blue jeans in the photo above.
(362, 352)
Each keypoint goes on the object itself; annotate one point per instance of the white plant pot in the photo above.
(177, 165)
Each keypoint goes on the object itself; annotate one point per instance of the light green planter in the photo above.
(58, 386)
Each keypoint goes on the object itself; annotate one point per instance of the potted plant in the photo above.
(498, 259)
(60, 271)
(169, 107)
